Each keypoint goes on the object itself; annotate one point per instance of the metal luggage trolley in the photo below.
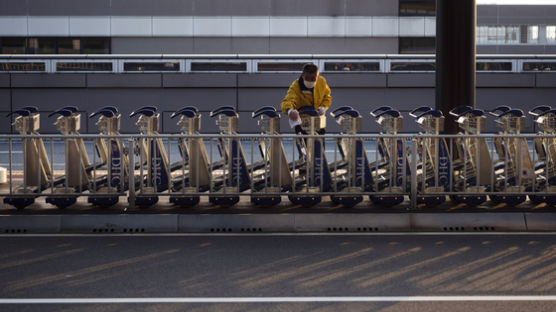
(472, 164)
(352, 173)
(235, 176)
(433, 174)
(195, 174)
(153, 159)
(78, 177)
(316, 176)
(391, 172)
(37, 172)
(276, 176)
(545, 148)
(513, 171)
(112, 153)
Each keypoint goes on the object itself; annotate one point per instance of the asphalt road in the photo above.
(278, 268)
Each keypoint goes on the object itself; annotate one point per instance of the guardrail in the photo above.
(374, 169)
(260, 63)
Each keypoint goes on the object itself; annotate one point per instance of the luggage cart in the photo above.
(513, 172)
(235, 176)
(351, 174)
(433, 174)
(391, 171)
(153, 158)
(111, 153)
(317, 176)
(37, 172)
(78, 177)
(545, 148)
(472, 165)
(195, 174)
(276, 176)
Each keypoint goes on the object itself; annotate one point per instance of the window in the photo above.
(83, 66)
(21, 66)
(494, 66)
(539, 66)
(512, 34)
(551, 34)
(412, 66)
(351, 66)
(417, 7)
(280, 66)
(69, 46)
(218, 66)
(41, 46)
(154, 66)
(12, 45)
(95, 46)
(415, 45)
(44, 45)
(532, 34)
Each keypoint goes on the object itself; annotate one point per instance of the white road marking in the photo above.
(274, 299)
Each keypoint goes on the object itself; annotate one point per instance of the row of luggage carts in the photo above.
(428, 169)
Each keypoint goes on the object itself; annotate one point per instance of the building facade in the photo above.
(258, 27)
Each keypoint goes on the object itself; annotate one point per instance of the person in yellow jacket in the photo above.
(310, 90)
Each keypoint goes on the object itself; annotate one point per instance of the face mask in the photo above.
(309, 84)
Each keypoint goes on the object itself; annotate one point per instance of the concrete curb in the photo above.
(280, 223)
(468, 222)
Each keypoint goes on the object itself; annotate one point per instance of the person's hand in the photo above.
(293, 114)
(320, 110)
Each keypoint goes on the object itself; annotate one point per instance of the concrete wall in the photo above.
(258, 45)
(248, 92)
(200, 7)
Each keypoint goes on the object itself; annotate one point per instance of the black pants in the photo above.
(298, 130)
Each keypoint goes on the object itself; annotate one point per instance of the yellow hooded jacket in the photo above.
(296, 99)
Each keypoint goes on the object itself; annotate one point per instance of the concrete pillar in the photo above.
(455, 56)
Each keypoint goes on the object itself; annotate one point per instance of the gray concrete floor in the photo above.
(279, 266)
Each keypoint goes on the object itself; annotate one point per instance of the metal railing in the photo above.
(509, 169)
(245, 63)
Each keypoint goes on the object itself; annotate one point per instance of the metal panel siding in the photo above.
(124, 80)
(13, 7)
(200, 7)
(232, 7)
(4, 80)
(288, 26)
(505, 80)
(48, 26)
(152, 45)
(356, 80)
(14, 26)
(89, 26)
(250, 45)
(307, 7)
(48, 81)
(411, 80)
(371, 7)
(266, 80)
(251, 99)
(199, 80)
(132, 7)
(131, 26)
(333, 45)
(544, 80)
(213, 45)
(173, 26)
(68, 7)
(173, 8)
